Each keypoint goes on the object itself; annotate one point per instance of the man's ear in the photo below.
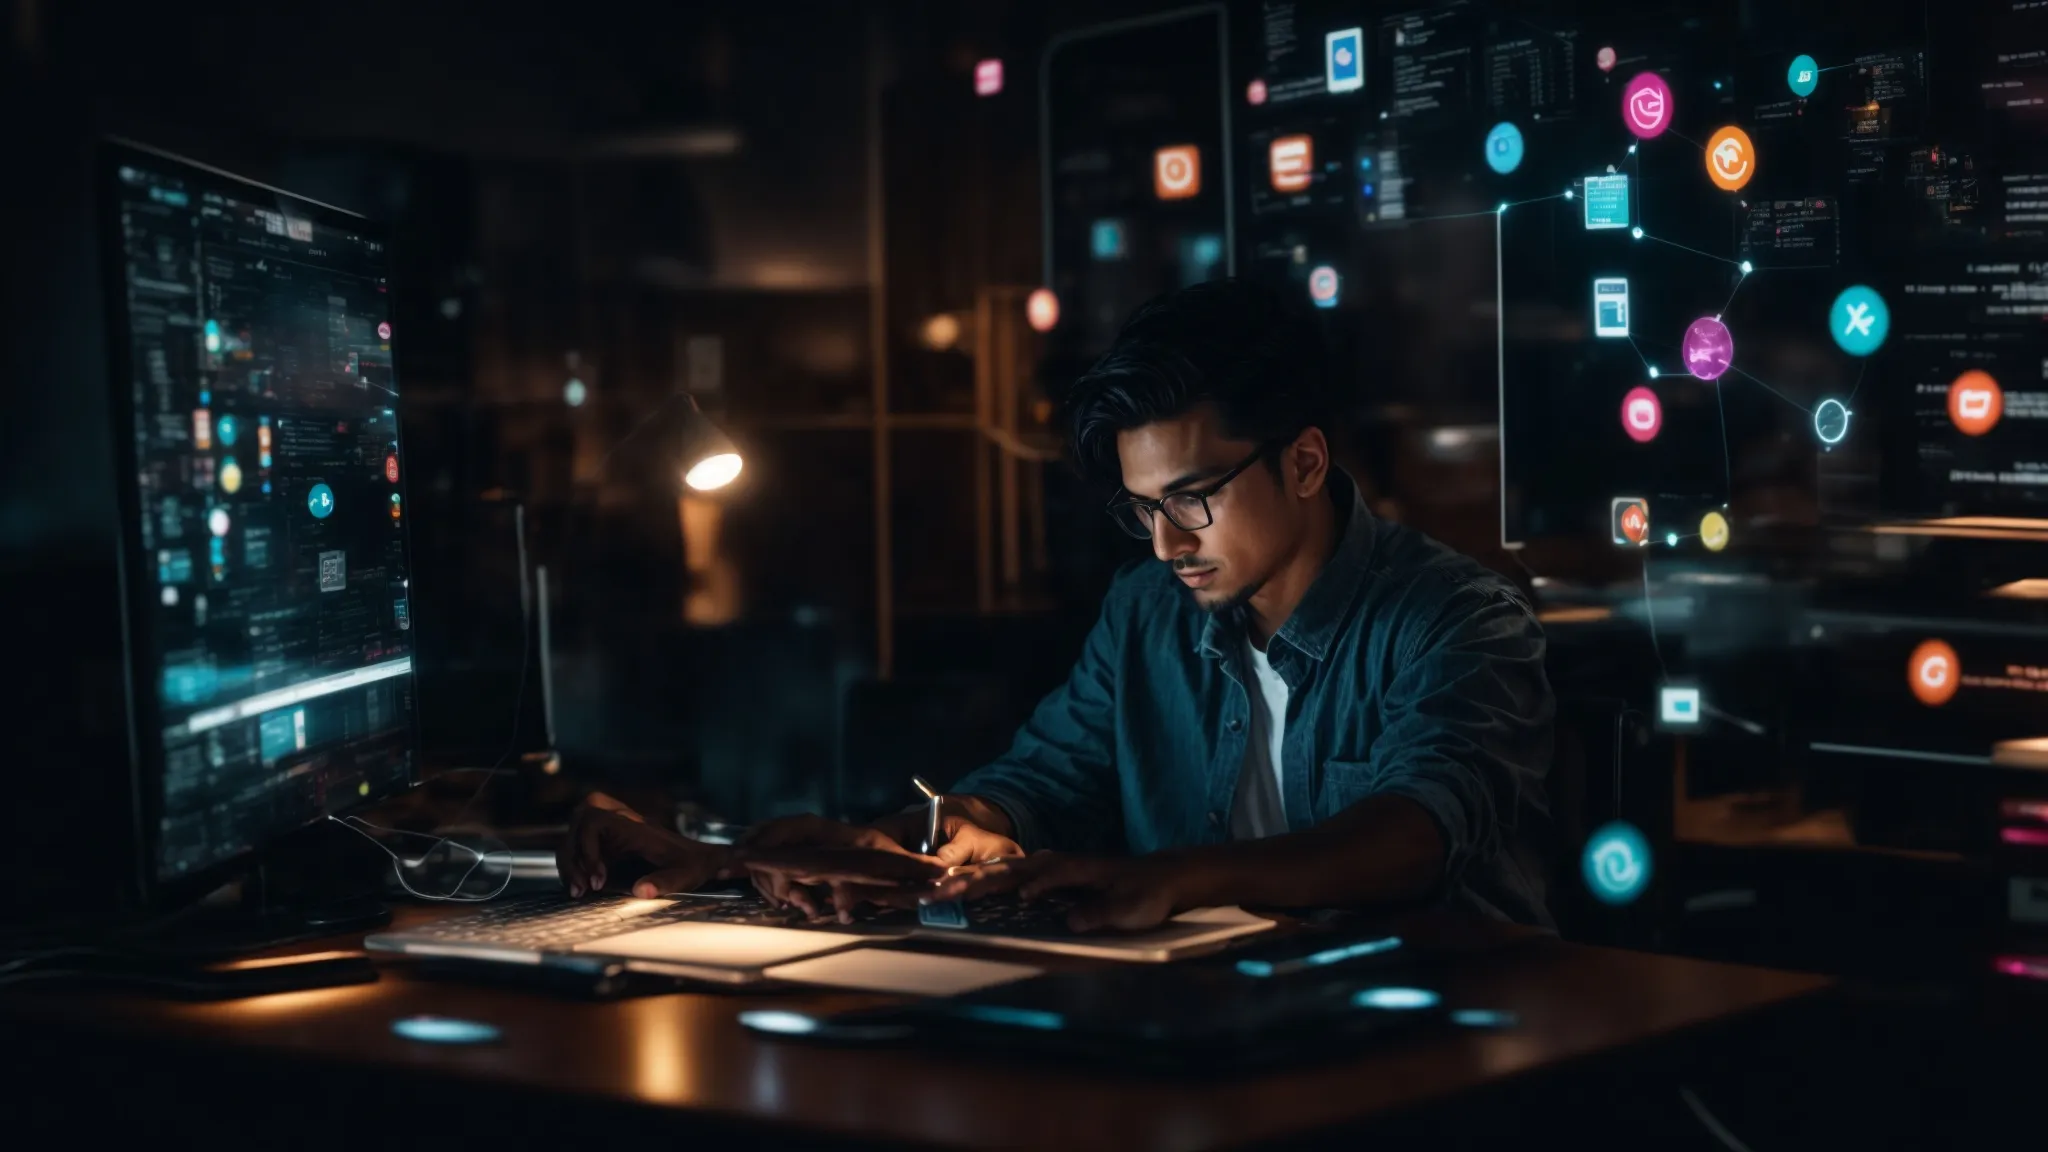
(1308, 463)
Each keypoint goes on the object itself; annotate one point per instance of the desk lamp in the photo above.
(706, 459)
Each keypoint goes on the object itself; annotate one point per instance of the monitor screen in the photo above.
(269, 630)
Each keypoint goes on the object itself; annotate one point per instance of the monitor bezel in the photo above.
(138, 653)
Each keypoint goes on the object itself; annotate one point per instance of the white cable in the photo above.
(1714, 1127)
(399, 864)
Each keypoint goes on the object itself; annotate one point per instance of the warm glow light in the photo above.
(2031, 588)
(1042, 309)
(941, 332)
(713, 471)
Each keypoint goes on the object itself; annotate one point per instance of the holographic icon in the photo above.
(1106, 239)
(1504, 148)
(230, 475)
(1631, 516)
(1604, 59)
(1616, 863)
(333, 571)
(1679, 705)
(395, 505)
(1606, 201)
(1714, 531)
(1641, 415)
(384, 330)
(217, 522)
(1731, 159)
(1802, 76)
(1934, 673)
(320, 501)
(1323, 285)
(1831, 421)
(1177, 172)
(1709, 348)
(1290, 161)
(575, 392)
(1859, 320)
(202, 429)
(391, 468)
(1610, 306)
(988, 77)
(1255, 93)
(1646, 105)
(226, 429)
(1344, 60)
(1975, 402)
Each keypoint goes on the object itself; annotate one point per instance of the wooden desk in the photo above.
(680, 1062)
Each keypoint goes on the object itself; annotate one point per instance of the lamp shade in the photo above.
(706, 459)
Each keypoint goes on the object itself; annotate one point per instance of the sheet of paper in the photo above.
(720, 945)
(889, 970)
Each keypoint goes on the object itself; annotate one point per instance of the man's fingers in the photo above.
(844, 865)
(678, 879)
(606, 803)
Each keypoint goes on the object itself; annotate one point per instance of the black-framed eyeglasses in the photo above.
(1186, 510)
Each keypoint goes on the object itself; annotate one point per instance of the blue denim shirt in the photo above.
(1411, 671)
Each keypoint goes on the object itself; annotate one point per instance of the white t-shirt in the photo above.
(1258, 810)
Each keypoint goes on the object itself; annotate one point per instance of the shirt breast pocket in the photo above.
(1344, 783)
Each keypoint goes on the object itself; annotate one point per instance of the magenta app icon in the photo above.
(1641, 415)
(1709, 348)
(1646, 105)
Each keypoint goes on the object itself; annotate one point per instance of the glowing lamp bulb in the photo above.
(713, 471)
(1042, 310)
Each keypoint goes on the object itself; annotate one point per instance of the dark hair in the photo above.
(1255, 354)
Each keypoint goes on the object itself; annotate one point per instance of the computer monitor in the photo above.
(264, 554)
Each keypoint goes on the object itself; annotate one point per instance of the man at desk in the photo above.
(1297, 705)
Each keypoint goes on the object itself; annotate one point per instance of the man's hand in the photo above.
(965, 843)
(602, 831)
(1116, 892)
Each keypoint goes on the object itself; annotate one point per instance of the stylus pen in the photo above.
(931, 815)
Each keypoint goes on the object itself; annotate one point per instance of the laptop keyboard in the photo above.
(542, 923)
(1003, 915)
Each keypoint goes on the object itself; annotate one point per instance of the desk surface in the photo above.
(687, 1052)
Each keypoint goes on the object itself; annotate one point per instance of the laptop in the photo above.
(731, 937)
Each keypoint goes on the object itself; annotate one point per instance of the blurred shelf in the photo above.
(1765, 822)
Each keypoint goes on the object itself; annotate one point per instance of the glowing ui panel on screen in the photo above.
(273, 627)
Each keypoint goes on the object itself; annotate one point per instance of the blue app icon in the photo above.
(1802, 76)
(320, 501)
(1344, 60)
(1504, 148)
(1616, 863)
(1106, 239)
(226, 428)
(1859, 320)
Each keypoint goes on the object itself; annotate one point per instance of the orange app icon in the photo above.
(1291, 157)
(1177, 172)
(1934, 673)
(1975, 402)
(1731, 159)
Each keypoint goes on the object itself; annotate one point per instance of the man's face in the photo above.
(1256, 522)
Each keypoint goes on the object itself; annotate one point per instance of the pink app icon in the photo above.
(1641, 415)
(1646, 105)
(384, 331)
(1709, 348)
(1605, 59)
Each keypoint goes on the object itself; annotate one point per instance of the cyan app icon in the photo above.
(1610, 306)
(1859, 320)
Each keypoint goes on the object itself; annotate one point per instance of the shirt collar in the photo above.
(1317, 620)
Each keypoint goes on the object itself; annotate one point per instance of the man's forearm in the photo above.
(1383, 850)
